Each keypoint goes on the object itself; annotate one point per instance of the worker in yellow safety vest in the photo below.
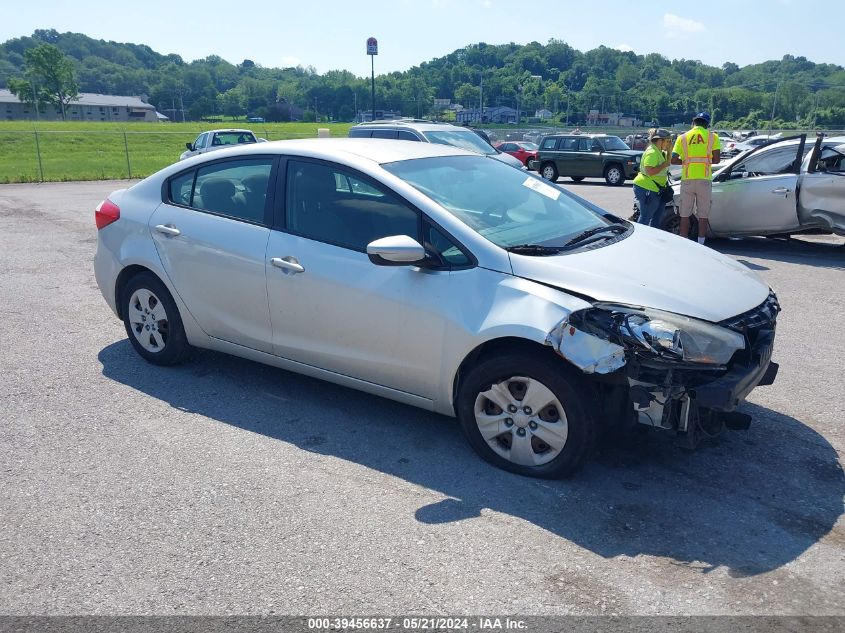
(697, 151)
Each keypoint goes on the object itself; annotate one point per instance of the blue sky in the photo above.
(331, 34)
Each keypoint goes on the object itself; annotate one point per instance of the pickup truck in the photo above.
(218, 139)
(784, 187)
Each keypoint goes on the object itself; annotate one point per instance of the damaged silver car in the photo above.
(442, 279)
(786, 187)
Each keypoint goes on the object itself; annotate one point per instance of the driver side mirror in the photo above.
(190, 146)
(396, 250)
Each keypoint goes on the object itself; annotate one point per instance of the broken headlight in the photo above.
(663, 334)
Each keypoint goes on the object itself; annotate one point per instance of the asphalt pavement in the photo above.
(226, 487)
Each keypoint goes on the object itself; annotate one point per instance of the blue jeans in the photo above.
(651, 209)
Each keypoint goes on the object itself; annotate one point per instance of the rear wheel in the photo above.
(527, 413)
(152, 321)
(549, 172)
(577, 178)
(613, 175)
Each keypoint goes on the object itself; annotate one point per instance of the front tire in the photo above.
(614, 176)
(671, 223)
(549, 172)
(152, 321)
(527, 413)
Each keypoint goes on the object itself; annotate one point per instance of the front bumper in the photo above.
(729, 390)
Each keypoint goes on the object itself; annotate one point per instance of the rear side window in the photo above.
(569, 144)
(549, 143)
(234, 188)
(384, 133)
(353, 133)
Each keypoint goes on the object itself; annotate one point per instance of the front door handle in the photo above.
(287, 264)
(168, 229)
(781, 191)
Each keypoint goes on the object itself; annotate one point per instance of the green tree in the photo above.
(49, 78)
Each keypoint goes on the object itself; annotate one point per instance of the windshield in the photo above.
(612, 143)
(465, 139)
(507, 206)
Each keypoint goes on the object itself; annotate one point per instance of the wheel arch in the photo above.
(195, 334)
(500, 345)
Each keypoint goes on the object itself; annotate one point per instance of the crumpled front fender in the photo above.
(589, 353)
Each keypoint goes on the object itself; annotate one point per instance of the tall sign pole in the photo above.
(372, 51)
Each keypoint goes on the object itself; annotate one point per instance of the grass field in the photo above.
(98, 151)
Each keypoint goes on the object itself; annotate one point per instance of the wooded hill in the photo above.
(652, 87)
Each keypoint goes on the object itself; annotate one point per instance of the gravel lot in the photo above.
(226, 487)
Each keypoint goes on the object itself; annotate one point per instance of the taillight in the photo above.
(106, 213)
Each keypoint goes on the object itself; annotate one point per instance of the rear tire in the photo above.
(549, 172)
(527, 413)
(614, 175)
(152, 321)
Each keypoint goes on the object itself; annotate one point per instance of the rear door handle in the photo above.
(168, 229)
(781, 191)
(287, 264)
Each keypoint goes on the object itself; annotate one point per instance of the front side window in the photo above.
(332, 205)
(405, 135)
(774, 161)
(200, 142)
(585, 145)
(384, 133)
(505, 205)
(237, 188)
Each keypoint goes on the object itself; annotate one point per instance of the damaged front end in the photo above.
(671, 371)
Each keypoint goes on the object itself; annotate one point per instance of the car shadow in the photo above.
(824, 253)
(749, 501)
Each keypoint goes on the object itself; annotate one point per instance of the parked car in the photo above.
(218, 139)
(637, 141)
(442, 279)
(732, 149)
(785, 187)
(523, 151)
(582, 156)
(431, 132)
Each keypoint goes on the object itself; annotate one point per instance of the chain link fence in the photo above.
(58, 155)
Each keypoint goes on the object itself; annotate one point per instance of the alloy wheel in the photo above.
(148, 320)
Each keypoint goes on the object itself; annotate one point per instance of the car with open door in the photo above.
(784, 187)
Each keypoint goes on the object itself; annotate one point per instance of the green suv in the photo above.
(582, 156)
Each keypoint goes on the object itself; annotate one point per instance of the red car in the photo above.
(524, 151)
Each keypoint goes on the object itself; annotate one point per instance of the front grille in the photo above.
(763, 317)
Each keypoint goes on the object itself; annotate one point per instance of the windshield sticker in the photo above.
(540, 187)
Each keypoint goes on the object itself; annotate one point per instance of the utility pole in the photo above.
(774, 104)
(481, 99)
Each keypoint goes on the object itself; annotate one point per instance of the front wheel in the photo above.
(614, 175)
(549, 172)
(152, 321)
(671, 223)
(528, 414)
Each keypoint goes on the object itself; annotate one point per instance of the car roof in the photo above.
(417, 124)
(374, 149)
(227, 129)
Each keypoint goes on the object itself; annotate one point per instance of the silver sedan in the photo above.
(442, 279)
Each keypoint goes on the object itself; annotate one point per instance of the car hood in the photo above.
(632, 153)
(654, 269)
